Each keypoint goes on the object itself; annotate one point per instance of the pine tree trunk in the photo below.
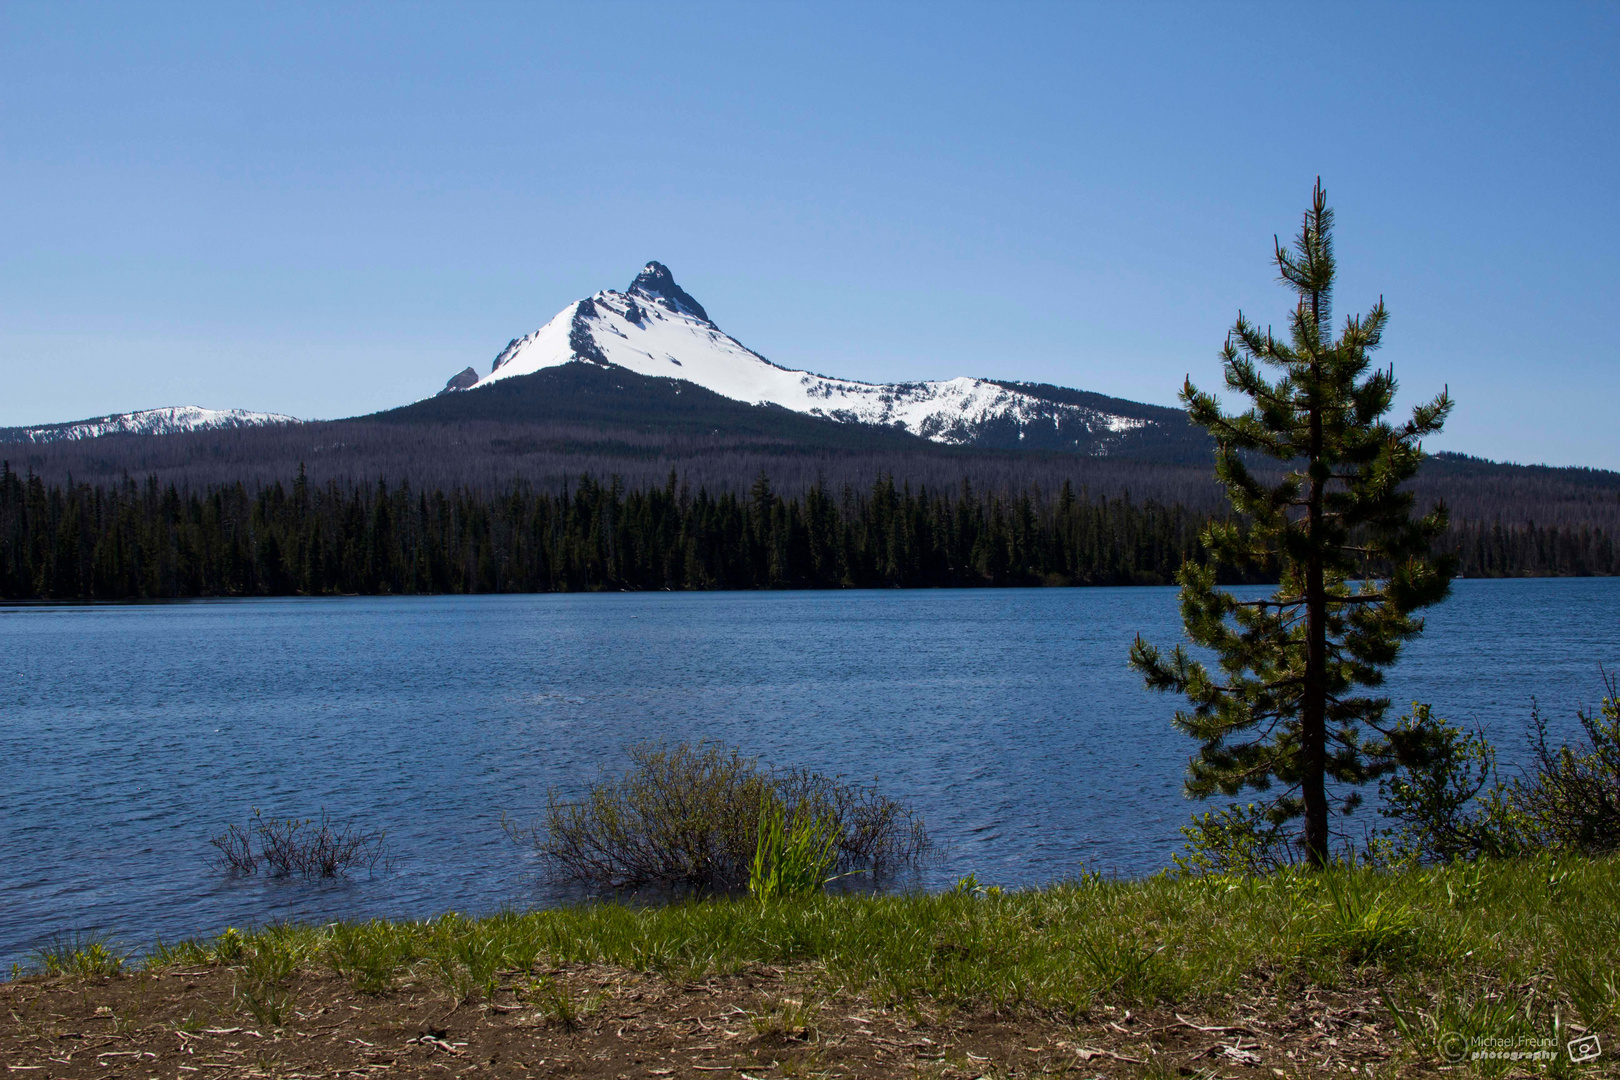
(1313, 718)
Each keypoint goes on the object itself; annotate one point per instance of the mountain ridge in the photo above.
(655, 328)
(168, 420)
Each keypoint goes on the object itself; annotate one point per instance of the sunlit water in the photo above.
(130, 734)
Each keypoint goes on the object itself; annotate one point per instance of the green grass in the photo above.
(1531, 944)
(81, 954)
(791, 858)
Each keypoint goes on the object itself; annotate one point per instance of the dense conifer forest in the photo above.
(146, 540)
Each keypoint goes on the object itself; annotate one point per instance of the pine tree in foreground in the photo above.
(1286, 709)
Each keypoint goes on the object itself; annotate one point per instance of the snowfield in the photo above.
(168, 421)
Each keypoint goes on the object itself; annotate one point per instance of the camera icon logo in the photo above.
(1585, 1048)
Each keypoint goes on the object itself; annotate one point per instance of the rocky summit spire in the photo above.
(656, 283)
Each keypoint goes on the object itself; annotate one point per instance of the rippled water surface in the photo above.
(129, 734)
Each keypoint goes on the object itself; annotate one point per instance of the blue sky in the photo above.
(327, 210)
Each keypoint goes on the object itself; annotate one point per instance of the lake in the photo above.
(130, 734)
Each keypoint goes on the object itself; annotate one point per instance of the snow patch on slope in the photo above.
(169, 421)
(656, 329)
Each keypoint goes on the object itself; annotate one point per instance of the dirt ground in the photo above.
(604, 1022)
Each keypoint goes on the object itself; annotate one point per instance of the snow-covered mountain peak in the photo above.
(657, 284)
(657, 329)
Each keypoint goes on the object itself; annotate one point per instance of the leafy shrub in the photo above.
(1432, 777)
(1242, 840)
(1571, 798)
(689, 816)
(1450, 804)
(1443, 800)
(288, 847)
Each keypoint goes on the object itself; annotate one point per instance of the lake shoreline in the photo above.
(1345, 969)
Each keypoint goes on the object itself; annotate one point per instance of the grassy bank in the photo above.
(1421, 962)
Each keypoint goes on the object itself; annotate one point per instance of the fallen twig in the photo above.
(1215, 1029)
(1086, 1053)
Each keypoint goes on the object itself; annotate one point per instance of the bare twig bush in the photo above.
(289, 847)
(235, 846)
(1571, 796)
(688, 817)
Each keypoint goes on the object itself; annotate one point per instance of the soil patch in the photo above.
(595, 1021)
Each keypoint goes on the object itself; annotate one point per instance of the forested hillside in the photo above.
(545, 430)
(489, 457)
(560, 481)
(148, 540)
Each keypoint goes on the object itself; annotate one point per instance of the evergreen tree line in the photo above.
(139, 541)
